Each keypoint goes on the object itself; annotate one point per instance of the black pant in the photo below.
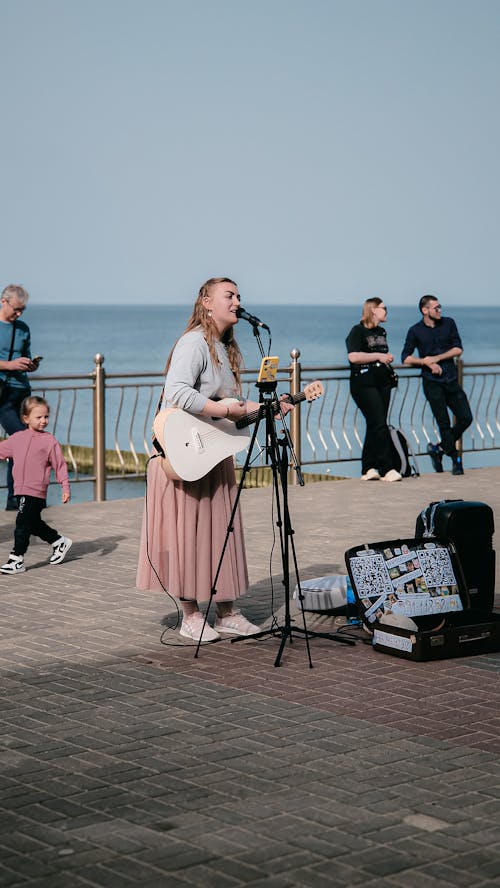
(29, 521)
(444, 395)
(373, 401)
(11, 422)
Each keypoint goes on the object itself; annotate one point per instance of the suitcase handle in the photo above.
(464, 638)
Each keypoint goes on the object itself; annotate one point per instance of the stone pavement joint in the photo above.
(129, 762)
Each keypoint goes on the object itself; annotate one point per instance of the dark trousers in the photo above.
(373, 401)
(29, 521)
(441, 397)
(10, 422)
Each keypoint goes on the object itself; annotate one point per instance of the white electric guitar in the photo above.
(194, 444)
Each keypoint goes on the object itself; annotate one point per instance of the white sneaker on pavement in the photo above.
(60, 549)
(15, 565)
(192, 628)
(235, 624)
(371, 475)
(392, 475)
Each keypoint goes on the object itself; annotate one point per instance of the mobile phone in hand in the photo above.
(37, 360)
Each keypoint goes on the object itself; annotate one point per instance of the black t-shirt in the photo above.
(434, 341)
(368, 339)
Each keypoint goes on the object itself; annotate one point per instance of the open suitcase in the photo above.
(412, 596)
(470, 526)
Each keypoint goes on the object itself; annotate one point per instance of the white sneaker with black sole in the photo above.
(61, 548)
(15, 565)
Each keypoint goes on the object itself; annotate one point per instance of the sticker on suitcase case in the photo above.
(411, 580)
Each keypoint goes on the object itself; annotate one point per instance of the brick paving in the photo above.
(126, 761)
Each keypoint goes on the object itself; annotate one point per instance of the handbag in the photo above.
(385, 374)
(376, 374)
(393, 376)
(4, 383)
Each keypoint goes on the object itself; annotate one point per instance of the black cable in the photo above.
(153, 568)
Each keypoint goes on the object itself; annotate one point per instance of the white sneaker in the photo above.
(235, 624)
(392, 475)
(60, 547)
(371, 475)
(15, 565)
(192, 628)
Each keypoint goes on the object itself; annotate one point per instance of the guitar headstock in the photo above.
(314, 390)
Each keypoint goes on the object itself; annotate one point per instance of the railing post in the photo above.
(295, 387)
(99, 375)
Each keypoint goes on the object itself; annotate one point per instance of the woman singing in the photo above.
(185, 522)
(370, 386)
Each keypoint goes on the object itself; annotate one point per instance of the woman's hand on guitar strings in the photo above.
(236, 409)
(285, 405)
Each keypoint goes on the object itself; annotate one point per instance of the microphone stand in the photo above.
(256, 333)
(277, 451)
(277, 456)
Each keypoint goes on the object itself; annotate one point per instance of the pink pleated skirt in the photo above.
(183, 532)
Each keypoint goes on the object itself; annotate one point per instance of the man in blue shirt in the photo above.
(15, 364)
(438, 344)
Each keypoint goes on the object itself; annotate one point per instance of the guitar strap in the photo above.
(156, 444)
(158, 408)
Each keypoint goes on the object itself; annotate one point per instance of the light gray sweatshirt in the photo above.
(192, 378)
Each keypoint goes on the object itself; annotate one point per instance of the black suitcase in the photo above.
(419, 582)
(470, 526)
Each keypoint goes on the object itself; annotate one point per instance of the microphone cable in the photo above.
(174, 601)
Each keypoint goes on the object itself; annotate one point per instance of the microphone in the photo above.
(245, 316)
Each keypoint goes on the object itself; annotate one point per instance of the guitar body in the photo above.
(193, 445)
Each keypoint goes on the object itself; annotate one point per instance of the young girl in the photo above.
(35, 452)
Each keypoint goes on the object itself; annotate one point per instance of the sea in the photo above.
(138, 338)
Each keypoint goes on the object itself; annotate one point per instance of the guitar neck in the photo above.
(254, 415)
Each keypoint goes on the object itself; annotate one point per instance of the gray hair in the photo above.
(14, 290)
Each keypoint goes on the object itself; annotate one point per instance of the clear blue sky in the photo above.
(318, 151)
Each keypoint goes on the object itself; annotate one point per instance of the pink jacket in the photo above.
(34, 455)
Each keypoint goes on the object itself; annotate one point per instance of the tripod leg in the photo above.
(279, 461)
(288, 545)
(279, 467)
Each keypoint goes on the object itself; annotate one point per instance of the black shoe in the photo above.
(12, 504)
(458, 468)
(436, 455)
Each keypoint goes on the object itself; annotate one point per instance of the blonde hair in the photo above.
(200, 317)
(367, 313)
(30, 403)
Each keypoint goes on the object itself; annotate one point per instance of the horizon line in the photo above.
(263, 304)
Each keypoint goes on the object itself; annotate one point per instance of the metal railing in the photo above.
(110, 417)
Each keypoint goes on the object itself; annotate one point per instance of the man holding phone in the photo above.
(15, 364)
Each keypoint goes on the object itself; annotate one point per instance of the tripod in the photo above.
(277, 457)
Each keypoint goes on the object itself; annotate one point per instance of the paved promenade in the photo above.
(125, 761)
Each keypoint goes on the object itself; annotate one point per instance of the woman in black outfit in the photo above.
(370, 385)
